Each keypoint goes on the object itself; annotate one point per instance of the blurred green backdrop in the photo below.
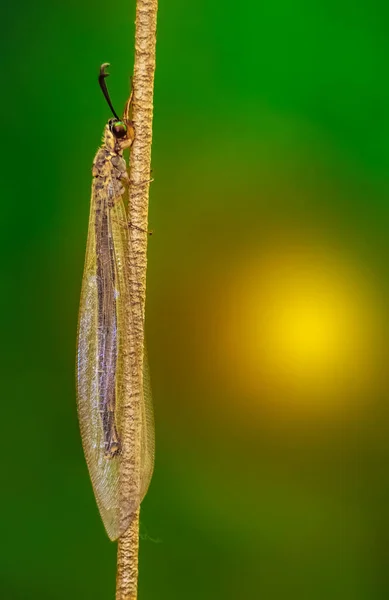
(267, 295)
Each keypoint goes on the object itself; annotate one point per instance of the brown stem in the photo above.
(140, 161)
(127, 571)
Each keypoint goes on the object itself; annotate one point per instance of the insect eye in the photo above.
(119, 129)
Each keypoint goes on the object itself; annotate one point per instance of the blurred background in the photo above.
(267, 320)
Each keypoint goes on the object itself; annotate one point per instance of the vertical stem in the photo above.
(127, 568)
(140, 161)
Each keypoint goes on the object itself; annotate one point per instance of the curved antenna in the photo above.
(102, 75)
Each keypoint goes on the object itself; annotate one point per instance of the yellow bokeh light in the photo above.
(302, 325)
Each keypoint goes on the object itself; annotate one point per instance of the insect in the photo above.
(105, 310)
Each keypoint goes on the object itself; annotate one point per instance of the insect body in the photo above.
(105, 313)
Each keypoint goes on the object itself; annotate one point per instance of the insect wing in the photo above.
(105, 311)
(147, 431)
(104, 299)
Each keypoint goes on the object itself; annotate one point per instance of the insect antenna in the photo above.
(102, 75)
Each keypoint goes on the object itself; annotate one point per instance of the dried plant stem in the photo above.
(127, 573)
(140, 161)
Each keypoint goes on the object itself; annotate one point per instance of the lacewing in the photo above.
(104, 318)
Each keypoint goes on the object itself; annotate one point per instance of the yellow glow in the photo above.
(302, 325)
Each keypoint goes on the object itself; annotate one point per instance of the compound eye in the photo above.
(119, 129)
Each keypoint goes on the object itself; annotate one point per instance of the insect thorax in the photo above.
(109, 161)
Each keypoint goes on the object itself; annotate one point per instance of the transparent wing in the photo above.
(93, 357)
(148, 435)
(102, 350)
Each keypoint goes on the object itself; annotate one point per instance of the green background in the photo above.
(271, 144)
